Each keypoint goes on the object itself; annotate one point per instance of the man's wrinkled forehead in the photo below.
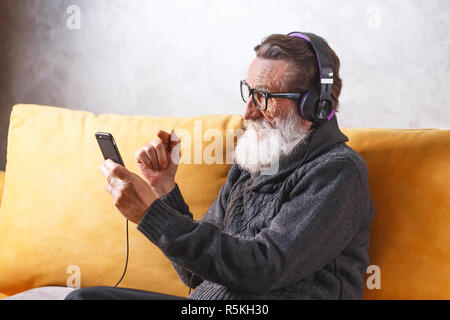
(267, 74)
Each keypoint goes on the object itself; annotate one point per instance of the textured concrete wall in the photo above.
(187, 57)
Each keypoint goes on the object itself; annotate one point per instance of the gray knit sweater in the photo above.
(302, 233)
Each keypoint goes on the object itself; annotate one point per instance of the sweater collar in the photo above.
(325, 135)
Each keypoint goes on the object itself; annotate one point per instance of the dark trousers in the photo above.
(111, 293)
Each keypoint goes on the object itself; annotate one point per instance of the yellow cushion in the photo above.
(409, 177)
(57, 214)
(2, 184)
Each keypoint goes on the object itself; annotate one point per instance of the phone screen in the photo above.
(108, 147)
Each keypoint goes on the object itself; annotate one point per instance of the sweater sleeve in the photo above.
(309, 231)
(174, 200)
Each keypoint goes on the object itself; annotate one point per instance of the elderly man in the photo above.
(300, 231)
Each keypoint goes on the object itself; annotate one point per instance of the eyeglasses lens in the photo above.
(245, 92)
(259, 99)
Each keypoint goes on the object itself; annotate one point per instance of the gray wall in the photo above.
(186, 57)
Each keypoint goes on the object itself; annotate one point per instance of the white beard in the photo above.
(262, 147)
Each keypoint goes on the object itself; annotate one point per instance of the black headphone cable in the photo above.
(126, 261)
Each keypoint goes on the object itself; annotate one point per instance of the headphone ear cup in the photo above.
(308, 105)
(324, 110)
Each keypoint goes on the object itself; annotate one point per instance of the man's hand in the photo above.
(132, 195)
(158, 162)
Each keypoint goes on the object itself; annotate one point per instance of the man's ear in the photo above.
(307, 125)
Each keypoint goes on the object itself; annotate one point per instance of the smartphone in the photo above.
(109, 147)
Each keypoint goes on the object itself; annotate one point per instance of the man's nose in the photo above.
(251, 112)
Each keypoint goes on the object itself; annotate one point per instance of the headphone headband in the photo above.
(325, 68)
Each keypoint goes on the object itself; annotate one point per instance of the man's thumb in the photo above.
(174, 137)
(174, 140)
(164, 136)
(175, 147)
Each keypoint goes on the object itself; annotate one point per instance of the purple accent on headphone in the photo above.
(299, 35)
(331, 115)
(304, 37)
(304, 96)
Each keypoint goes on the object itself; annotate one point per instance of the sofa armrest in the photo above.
(2, 184)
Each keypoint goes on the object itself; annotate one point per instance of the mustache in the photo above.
(258, 124)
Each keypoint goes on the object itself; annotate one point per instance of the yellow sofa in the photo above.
(59, 227)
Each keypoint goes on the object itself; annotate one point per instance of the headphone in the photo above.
(317, 106)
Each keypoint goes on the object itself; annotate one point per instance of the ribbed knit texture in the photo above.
(175, 200)
(301, 233)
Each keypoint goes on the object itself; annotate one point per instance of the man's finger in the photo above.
(175, 154)
(141, 156)
(151, 152)
(169, 139)
(164, 136)
(111, 182)
(161, 154)
(116, 170)
(109, 188)
(174, 140)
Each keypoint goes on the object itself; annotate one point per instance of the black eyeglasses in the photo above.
(261, 97)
